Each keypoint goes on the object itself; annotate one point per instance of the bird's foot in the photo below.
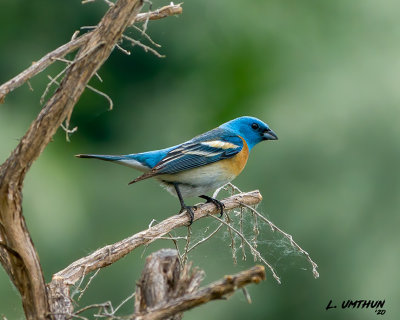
(190, 212)
(217, 203)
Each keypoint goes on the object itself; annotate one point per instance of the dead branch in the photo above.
(217, 290)
(111, 253)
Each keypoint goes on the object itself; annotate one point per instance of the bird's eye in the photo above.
(255, 126)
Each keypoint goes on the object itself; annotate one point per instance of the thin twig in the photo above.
(252, 249)
(68, 131)
(124, 301)
(88, 283)
(145, 48)
(246, 295)
(234, 188)
(108, 309)
(185, 253)
(64, 127)
(241, 231)
(63, 60)
(206, 238)
(128, 53)
(111, 104)
(232, 245)
(29, 85)
(256, 232)
(52, 81)
(95, 305)
(289, 237)
(147, 36)
(77, 289)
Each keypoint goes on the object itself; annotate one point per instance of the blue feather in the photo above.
(199, 152)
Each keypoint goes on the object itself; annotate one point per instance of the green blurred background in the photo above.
(323, 74)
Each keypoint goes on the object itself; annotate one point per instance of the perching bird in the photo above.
(204, 163)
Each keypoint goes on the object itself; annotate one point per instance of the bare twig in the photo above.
(92, 306)
(109, 3)
(52, 81)
(29, 85)
(185, 253)
(110, 102)
(145, 48)
(128, 53)
(206, 238)
(289, 237)
(88, 284)
(147, 36)
(241, 231)
(232, 245)
(124, 301)
(256, 232)
(252, 249)
(246, 295)
(273, 228)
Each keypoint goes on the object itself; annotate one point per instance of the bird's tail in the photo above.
(99, 156)
(130, 160)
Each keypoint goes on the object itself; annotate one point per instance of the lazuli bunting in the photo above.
(204, 163)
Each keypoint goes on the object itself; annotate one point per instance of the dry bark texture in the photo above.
(167, 307)
(164, 280)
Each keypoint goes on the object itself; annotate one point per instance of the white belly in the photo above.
(198, 181)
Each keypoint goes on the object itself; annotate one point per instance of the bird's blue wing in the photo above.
(193, 155)
(215, 145)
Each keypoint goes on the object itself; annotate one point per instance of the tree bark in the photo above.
(164, 280)
(167, 307)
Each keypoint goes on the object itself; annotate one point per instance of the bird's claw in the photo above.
(189, 210)
(216, 202)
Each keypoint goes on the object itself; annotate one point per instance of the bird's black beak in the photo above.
(269, 135)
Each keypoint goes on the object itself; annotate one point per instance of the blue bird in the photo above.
(205, 163)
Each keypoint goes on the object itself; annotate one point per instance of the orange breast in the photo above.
(237, 163)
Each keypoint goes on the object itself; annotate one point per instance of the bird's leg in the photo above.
(189, 209)
(217, 203)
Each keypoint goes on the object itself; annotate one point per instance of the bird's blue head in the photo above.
(251, 129)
